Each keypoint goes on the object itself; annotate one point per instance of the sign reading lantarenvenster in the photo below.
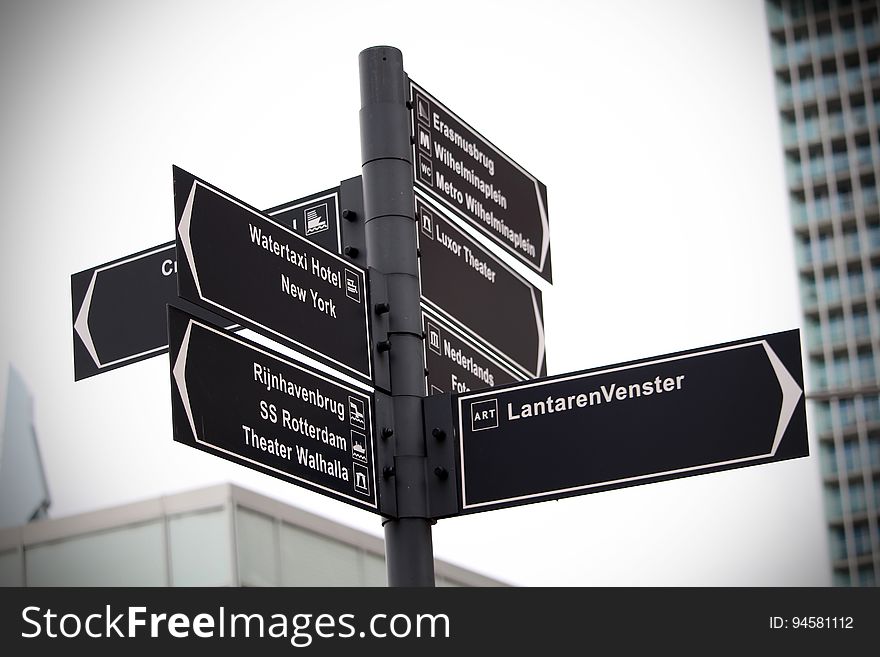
(722, 407)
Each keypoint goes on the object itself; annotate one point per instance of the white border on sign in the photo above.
(486, 254)
(545, 224)
(791, 393)
(183, 230)
(299, 204)
(179, 374)
(81, 324)
(430, 315)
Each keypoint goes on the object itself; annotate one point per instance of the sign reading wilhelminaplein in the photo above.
(464, 171)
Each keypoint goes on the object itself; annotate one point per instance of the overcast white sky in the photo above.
(652, 124)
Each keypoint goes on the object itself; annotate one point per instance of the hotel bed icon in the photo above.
(352, 286)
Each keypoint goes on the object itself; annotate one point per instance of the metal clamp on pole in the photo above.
(390, 231)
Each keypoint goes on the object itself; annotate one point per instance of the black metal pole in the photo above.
(390, 230)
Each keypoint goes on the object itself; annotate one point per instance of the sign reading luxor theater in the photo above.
(460, 168)
(235, 399)
(479, 292)
(721, 407)
(236, 261)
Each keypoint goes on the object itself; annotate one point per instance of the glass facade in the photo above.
(826, 61)
(24, 495)
(222, 536)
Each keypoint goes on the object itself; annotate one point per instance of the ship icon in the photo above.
(359, 446)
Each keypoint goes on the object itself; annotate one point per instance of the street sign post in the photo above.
(237, 400)
(477, 291)
(237, 262)
(447, 317)
(456, 363)
(722, 407)
(458, 167)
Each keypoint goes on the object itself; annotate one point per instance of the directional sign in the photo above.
(456, 363)
(119, 307)
(460, 168)
(234, 399)
(717, 408)
(480, 293)
(119, 310)
(239, 263)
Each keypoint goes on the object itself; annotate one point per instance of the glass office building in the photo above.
(218, 536)
(826, 61)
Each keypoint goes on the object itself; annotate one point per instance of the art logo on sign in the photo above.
(484, 415)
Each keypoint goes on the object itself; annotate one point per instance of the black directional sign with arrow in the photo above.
(119, 310)
(711, 409)
(479, 292)
(460, 168)
(239, 401)
(502, 437)
(119, 306)
(237, 262)
(456, 363)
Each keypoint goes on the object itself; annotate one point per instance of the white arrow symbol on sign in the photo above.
(81, 325)
(539, 325)
(183, 229)
(179, 373)
(791, 394)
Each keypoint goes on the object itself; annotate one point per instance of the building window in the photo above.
(123, 556)
(201, 549)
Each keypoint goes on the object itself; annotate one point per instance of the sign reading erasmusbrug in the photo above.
(458, 167)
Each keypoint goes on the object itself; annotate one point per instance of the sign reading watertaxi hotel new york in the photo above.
(239, 263)
(237, 400)
(711, 409)
(119, 307)
(461, 169)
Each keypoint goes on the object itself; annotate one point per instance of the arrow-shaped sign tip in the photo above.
(179, 373)
(791, 394)
(81, 325)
